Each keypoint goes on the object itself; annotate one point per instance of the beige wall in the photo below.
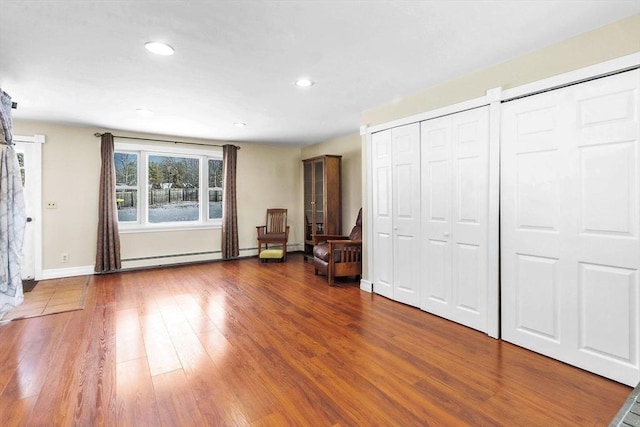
(611, 41)
(349, 147)
(267, 177)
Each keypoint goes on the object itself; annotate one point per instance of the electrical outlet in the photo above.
(64, 257)
(52, 205)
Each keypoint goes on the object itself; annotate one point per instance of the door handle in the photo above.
(29, 219)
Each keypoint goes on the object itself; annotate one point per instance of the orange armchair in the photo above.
(338, 256)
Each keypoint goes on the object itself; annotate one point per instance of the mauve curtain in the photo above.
(230, 247)
(13, 216)
(108, 250)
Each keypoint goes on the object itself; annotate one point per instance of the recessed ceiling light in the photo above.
(304, 83)
(159, 48)
(239, 124)
(144, 112)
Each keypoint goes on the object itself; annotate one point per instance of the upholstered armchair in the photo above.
(338, 256)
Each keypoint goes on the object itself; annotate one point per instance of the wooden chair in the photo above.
(275, 232)
(338, 256)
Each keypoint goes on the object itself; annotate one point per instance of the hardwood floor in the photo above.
(240, 343)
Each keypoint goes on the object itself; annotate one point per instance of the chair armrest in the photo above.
(344, 242)
(347, 251)
(318, 238)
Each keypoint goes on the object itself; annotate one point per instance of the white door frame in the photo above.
(36, 198)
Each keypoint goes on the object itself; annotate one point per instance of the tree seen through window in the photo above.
(171, 189)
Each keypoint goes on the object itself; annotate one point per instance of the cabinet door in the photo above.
(308, 199)
(570, 225)
(455, 174)
(405, 143)
(318, 197)
(382, 227)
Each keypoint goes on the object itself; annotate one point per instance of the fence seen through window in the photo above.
(172, 187)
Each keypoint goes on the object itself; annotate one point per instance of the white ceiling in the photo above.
(83, 62)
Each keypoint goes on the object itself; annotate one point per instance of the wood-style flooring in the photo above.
(51, 296)
(239, 343)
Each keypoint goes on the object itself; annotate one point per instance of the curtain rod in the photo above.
(98, 135)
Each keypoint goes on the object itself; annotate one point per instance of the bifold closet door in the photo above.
(396, 213)
(455, 197)
(405, 143)
(382, 227)
(570, 250)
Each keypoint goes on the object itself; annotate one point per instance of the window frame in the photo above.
(144, 151)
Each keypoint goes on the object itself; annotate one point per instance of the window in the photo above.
(215, 189)
(126, 186)
(174, 186)
(21, 165)
(163, 187)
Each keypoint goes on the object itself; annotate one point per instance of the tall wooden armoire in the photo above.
(322, 198)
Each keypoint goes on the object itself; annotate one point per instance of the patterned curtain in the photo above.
(108, 250)
(13, 216)
(230, 247)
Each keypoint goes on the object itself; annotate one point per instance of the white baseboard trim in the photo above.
(168, 261)
(366, 285)
(57, 273)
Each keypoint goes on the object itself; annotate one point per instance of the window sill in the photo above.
(157, 228)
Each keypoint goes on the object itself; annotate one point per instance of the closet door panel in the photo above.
(455, 219)
(436, 141)
(606, 221)
(436, 294)
(470, 177)
(537, 295)
(382, 213)
(532, 267)
(406, 213)
(467, 279)
(569, 225)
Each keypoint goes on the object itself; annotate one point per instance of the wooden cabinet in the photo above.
(322, 197)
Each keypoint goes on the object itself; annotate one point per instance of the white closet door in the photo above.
(455, 198)
(569, 225)
(406, 213)
(382, 227)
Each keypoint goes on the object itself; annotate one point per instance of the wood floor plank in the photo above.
(96, 400)
(136, 399)
(14, 413)
(56, 398)
(31, 370)
(129, 337)
(239, 343)
(176, 403)
(158, 346)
